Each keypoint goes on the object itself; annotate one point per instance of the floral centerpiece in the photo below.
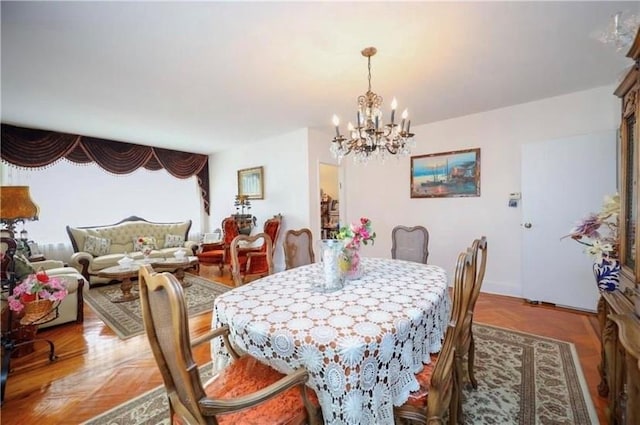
(353, 236)
(599, 233)
(36, 295)
(147, 244)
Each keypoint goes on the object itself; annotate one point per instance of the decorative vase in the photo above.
(607, 274)
(146, 252)
(330, 252)
(350, 263)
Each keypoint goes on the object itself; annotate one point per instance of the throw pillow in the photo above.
(96, 246)
(173, 241)
(22, 266)
(141, 241)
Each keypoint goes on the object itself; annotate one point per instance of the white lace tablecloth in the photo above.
(361, 345)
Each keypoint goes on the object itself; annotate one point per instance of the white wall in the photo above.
(286, 183)
(381, 191)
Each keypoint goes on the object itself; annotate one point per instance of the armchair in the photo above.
(272, 229)
(258, 262)
(218, 253)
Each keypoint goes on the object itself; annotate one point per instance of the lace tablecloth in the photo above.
(361, 345)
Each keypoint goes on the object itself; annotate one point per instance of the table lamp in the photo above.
(16, 206)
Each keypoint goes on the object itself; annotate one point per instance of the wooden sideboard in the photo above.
(617, 310)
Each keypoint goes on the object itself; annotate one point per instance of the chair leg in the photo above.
(471, 357)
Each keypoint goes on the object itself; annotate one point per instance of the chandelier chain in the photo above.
(369, 66)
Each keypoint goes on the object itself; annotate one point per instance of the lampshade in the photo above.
(16, 204)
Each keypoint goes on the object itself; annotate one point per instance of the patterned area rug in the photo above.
(523, 379)
(126, 318)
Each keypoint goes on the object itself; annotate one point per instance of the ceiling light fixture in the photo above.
(621, 31)
(371, 137)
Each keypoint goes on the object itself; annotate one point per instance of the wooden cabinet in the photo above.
(617, 310)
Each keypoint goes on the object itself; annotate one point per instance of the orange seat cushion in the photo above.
(420, 397)
(214, 257)
(247, 375)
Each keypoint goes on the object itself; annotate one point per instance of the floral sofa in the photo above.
(98, 247)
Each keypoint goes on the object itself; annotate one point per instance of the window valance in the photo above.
(31, 148)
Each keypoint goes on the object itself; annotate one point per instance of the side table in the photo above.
(19, 338)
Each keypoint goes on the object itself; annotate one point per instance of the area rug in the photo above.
(523, 379)
(125, 319)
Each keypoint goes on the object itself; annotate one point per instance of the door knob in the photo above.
(527, 225)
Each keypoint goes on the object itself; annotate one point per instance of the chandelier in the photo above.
(621, 32)
(370, 137)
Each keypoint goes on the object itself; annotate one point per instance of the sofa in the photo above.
(98, 247)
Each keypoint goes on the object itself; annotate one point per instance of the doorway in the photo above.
(329, 200)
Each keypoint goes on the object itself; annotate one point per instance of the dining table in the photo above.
(361, 344)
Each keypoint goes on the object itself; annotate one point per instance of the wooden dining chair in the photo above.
(410, 243)
(298, 248)
(466, 344)
(245, 392)
(438, 400)
(256, 263)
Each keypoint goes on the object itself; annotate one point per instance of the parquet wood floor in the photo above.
(97, 371)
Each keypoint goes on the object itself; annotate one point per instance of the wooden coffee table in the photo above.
(177, 265)
(125, 274)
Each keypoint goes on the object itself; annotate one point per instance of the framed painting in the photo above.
(446, 174)
(251, 183)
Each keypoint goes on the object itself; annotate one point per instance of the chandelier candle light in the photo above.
(370, 136)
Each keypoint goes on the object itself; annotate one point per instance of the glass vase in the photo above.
(351, 264)
(332, 278)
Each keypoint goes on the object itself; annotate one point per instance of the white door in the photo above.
(562, 181)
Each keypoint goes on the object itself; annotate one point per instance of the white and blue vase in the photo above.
(607, 273)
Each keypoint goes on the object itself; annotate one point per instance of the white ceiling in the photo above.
(206, 76)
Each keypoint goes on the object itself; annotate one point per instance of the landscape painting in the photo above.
(446, 174)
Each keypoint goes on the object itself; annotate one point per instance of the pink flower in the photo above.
(39, 284)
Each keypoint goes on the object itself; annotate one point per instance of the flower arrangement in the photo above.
(357, 233)
(146, 241)
(34, 287)
(599, 231)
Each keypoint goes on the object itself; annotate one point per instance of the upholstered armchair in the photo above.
(218, 253)
(272, 229)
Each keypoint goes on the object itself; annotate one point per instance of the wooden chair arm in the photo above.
(211, 246)
(251, 255)
(222, 331)
(211, 407)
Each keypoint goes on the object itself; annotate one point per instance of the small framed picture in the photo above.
(251, 183)
(446, 174)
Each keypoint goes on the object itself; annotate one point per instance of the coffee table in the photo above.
(178, 265)
(125, 274)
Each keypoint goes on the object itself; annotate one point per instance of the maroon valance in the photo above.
(30, 148)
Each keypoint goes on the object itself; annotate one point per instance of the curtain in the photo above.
(31, 148)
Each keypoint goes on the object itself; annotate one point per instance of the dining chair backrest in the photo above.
(466, 345)
(251, 383)
(410, 243)
(298, 248)
(164, 314)
(254, 263)
(443, 397)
